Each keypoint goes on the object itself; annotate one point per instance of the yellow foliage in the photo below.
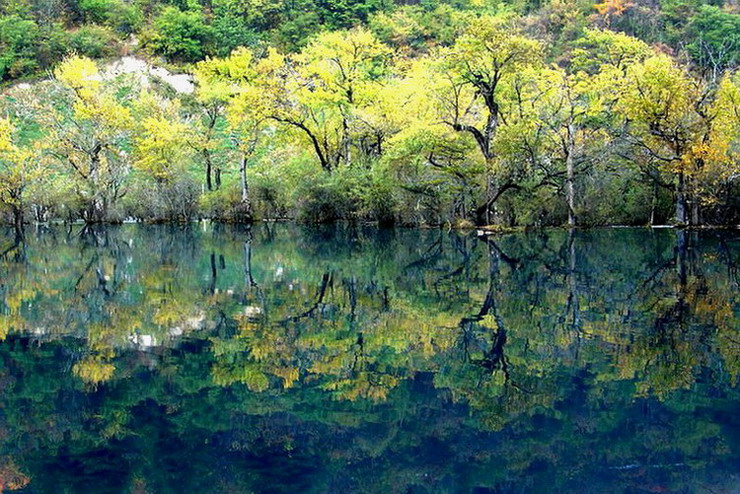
(93, 371)
(162, 141)
(81, 74)
(609, 8)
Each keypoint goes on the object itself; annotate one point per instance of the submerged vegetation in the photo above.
(479, 112)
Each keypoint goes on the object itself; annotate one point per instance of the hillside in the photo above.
(511, 113)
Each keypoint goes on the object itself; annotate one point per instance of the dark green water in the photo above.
(294, 360)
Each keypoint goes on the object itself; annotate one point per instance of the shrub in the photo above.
(122, 17)
(94, 42)
(180, 35)
(18, 47)
(171, 200)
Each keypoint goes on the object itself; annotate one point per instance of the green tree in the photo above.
(18, 47)
(714, 39)
(181, 35)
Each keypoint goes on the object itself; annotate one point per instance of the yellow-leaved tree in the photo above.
(687, 125)
(87, 132)
(560, 119)
(19, 168)
(323, 88)
(475, 72)
(161, 156)
(334, 79)
(244, 87)
(161, 138)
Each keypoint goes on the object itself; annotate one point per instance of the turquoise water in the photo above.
(144, 359)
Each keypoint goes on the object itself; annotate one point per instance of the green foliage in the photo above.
(230, 32)
(123, 17)
(714, 38)
(437, 114)
(18, 47)
(180, 35)
(94, 41)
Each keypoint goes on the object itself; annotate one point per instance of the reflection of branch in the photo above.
(495, 358)
(93, 259)
(732, 267)
(248, 263)
(431, 254)
(10, 249)
(325, 282)
(451, 274)
(511, 261)
(669, 264)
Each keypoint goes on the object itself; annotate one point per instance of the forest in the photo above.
(433, 113)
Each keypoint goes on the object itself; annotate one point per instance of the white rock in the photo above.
(143, 72)
(252, 311)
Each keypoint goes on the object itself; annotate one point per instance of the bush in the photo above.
(115, 14)
(322, 201)
(94, 42)
(225, 204)
(18, 47)
(53, 45)
(230, 32)
(180, 35)
(172, 200)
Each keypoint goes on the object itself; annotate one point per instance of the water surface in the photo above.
(284, 359)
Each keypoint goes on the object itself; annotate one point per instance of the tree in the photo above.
(19, 167)
(239, 85)
(212, 95)
(567, 116)
(88, 131)
(160, 143)
(714, 40)
(162, 155)
(437, 166)
(181, 35)
(679, 120)
(335, 76)
(475, 71)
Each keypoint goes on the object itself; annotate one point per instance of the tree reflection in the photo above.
(345, 345)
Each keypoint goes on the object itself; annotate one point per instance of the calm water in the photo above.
(295, 360)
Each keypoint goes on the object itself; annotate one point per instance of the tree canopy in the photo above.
(486, 115)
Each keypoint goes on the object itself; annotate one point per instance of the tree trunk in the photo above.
(209, 166)
(18, 220)
(489, 202)
(695, 219)
(681, 200)
(570, 174)
(347, 144)
(483, 212)
(98, 210)
(244, 210)
(218, 177)
(243, 176)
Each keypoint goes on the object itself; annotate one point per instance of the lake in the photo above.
(288, 359)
